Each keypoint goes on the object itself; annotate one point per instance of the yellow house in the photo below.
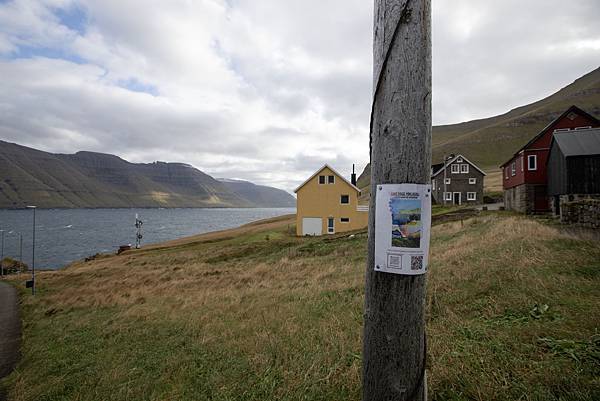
(327, 203)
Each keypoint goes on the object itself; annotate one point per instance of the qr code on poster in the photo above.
(394, 261)
(416, 262)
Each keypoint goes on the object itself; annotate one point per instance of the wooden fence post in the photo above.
(394, 347)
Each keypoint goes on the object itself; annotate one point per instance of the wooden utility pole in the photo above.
(394, 347)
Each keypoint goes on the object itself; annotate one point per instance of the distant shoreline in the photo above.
(67, 235)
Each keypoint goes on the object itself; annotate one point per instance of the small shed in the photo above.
(574, 165)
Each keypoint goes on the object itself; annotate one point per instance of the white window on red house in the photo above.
(464, 168)
(532, 162)
(506, 172)
(522, 163)
(455, 168)
(472, 181)
(471, 196)
(513, 169)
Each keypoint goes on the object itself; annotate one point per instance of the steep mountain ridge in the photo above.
(260, 194)
(509, 131)
(489, 142)
(89, 179)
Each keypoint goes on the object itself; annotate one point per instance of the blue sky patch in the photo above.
(135, 85)
(74, 17)
(34, 51)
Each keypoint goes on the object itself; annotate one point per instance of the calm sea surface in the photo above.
(63, 236)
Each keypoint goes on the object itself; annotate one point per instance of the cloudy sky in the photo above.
(264, 90)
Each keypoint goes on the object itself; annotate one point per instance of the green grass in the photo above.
(512, 313)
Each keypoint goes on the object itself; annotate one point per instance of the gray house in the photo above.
(459, 182)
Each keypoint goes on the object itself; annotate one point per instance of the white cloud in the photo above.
(265, 90)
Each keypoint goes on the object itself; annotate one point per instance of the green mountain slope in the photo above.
(87, 179)
(491, 141)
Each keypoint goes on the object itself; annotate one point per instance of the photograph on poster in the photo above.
(406, 222)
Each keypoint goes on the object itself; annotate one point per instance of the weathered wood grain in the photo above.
(394, 330)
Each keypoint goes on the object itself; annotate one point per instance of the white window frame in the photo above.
(433, 184)
(529, 159)
(331, 230)
(448, 196)
(459, 198)
(448, 181)
(464, 169)
(513, 168)
(331, 176)
(522, 163)
(472, 181)
(324, 179)
(471, 196)
(454, 169)
(344, 222)
(342, 203)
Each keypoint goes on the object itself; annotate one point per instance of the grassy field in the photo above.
(258, 314)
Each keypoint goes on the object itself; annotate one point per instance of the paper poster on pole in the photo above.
(402, 228)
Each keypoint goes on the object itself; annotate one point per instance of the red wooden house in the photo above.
(524, 177)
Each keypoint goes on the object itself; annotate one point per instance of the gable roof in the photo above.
(579, 143)
(334, 172)
(452, 161)
(557, 119)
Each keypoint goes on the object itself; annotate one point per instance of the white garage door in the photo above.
(312, 226)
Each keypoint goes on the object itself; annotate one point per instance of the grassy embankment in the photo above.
(257, 314)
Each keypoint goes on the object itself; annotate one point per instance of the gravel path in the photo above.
(10, 331)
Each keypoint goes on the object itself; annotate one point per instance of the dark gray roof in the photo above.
(579, 142)
(437, 166)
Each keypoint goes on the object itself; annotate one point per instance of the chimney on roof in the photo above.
(353, 176)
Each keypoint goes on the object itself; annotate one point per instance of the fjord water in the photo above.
(66, 235)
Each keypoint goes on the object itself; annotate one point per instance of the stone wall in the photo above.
(517, 199)
(585, 212)
(514, 199)
(520, 198)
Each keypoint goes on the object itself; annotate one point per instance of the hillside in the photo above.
(87, 179)
(259, 314)
(259, 194)
(491, 141)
